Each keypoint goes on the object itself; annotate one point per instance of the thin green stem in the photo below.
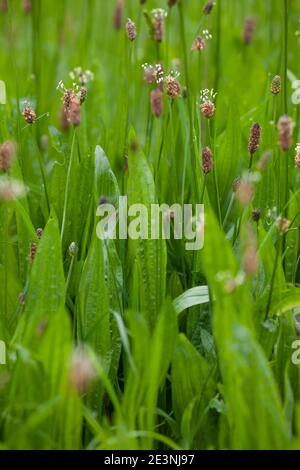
(211, 141)
(278, 253)
(186, 70)
(285, 53)
(68, 182)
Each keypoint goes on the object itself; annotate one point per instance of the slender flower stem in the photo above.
(278, 253)
(68, 182)
(186, 70)
(285, 52)
(70, 273)
(251, 161)
(211, 143)
(228, 211)
(218, 46)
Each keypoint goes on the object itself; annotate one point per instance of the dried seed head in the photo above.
(172, 87)
(131, 29)
(118, 14)
(39, 233)
(207, 160)
(208, 109)
(7, 154)
(158, 21)
(199, 44)
(276, 85)
(32, 252)
(171, 3)
(29, 115)
(254, 139)
(73, 249)
(282, 224)
(249, 29)
(208, 7)
(82, 372)
(285, 129)
(264, 161)
(245, 193)
(156, 98)
(236, 184)
(256, 214)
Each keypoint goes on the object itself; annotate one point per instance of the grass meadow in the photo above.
(142, 344)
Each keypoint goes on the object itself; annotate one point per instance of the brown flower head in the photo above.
(74, 112)
(249, 29)
(7, 154)
(171, 3)
(208, 7)
(262, 164)
(4, 6)
(207, 160)
(285, 130)
(157, 102)
(208, 109)
(83, 94)
(172, 87)
(254, 139)
(118, 14)
(199, 44)
(256, 214)
(29, 114)
(245, 192)
(158, 22)
(27, 6)
(131, 30)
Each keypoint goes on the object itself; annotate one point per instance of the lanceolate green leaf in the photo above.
(191, 298)
(150, 255)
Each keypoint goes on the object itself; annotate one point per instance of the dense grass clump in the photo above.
(140, 343)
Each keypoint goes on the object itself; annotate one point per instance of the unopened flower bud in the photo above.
(282, 224)
(256, 214)
(276, 85)
(73, 249)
